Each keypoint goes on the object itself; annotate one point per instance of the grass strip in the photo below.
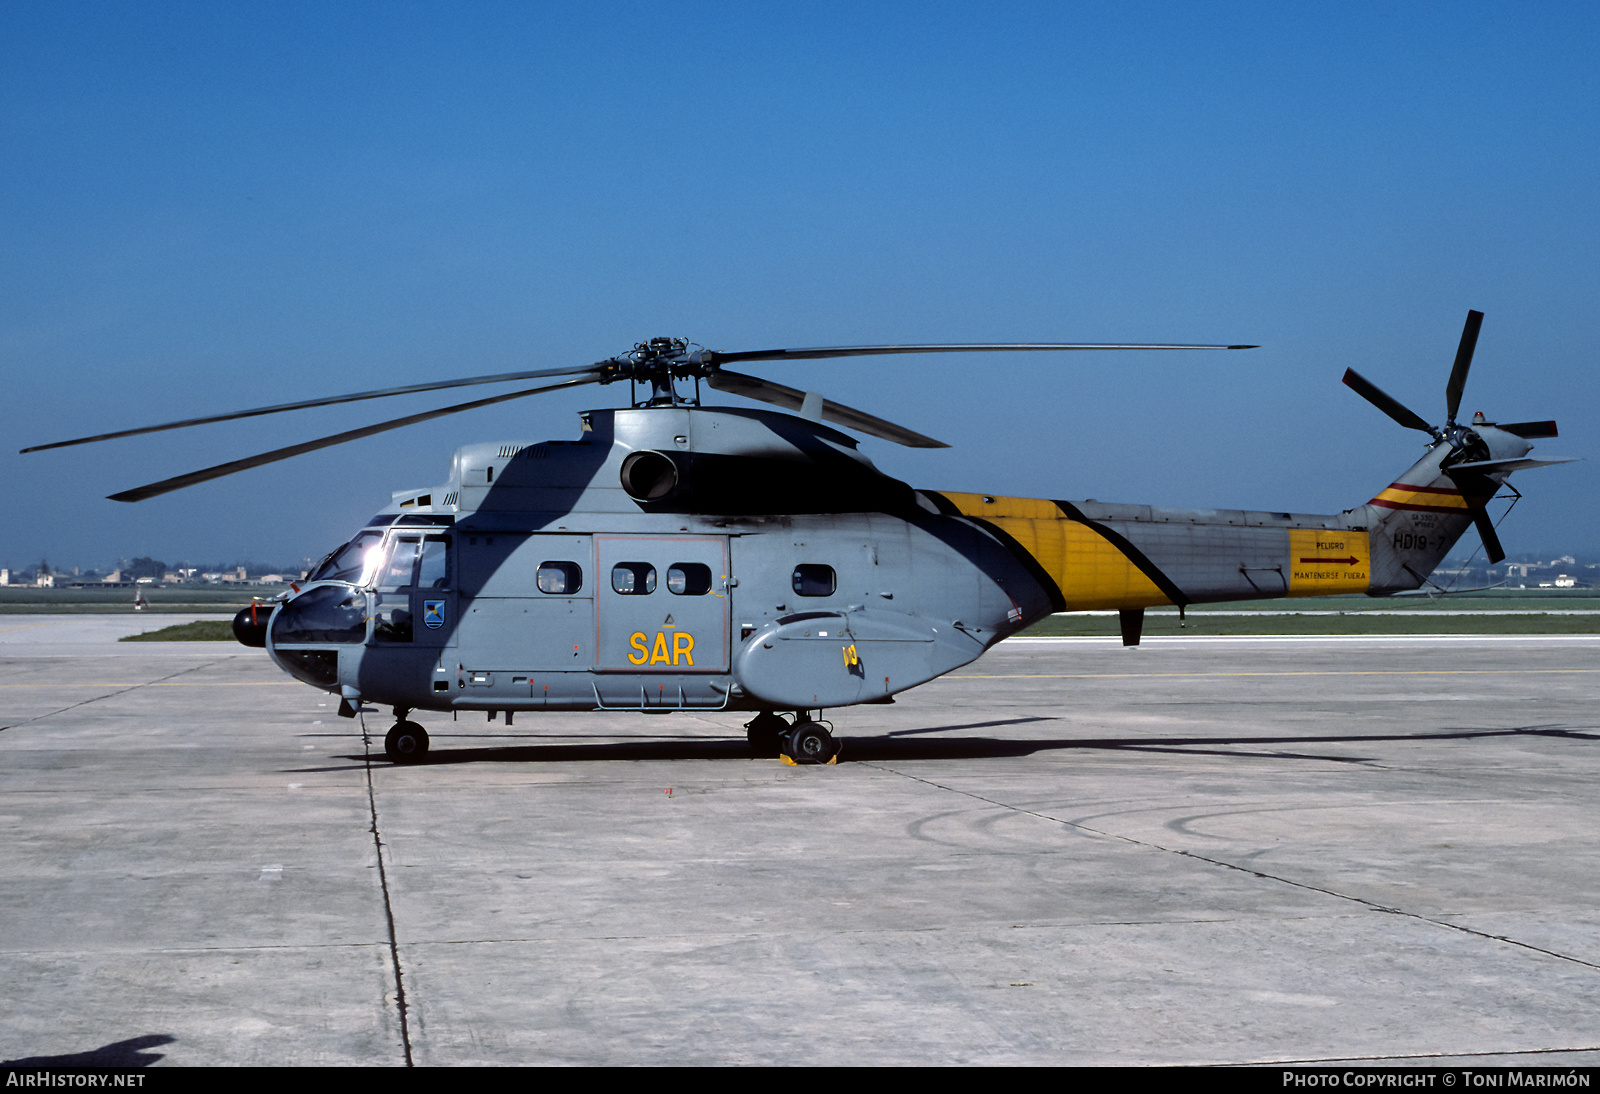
(203, 630)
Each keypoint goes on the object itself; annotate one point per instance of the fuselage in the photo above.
(677, 558)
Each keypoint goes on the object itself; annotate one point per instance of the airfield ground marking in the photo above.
(388, 905)
(178, 684)
(123, 689)
(1147, 845)
(25, 626)
(1328, 672)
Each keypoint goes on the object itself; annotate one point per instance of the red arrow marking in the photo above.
(1351, 561)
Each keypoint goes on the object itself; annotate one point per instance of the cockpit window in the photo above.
(433, 569)
(401, 564)
(349, 562)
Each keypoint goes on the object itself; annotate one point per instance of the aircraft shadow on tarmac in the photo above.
(902, 745)
(129, 1053)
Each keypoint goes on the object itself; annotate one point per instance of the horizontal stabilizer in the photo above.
(1507, 465)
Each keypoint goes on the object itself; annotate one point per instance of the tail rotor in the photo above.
(1473, 460)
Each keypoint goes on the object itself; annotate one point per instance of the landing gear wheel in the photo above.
(406, 743)
(809, 743)
(766, 732)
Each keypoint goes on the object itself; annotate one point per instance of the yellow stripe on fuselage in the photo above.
(1089, 570)
(1427, 499)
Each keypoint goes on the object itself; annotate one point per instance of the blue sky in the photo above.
(208, 207)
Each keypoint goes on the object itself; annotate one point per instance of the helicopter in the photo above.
(679, 557)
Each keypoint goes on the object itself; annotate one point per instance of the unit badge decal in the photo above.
(433, 613)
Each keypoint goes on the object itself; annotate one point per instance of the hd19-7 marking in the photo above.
(661, 652)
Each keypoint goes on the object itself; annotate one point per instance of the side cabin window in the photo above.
(814, 579)
(689, 579)
(633, 578)
(560, 578)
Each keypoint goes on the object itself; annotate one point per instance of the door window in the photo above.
(633, 578)
(689, 579)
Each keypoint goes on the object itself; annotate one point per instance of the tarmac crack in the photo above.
(388, 904)
(113, 694)
(1370, 905)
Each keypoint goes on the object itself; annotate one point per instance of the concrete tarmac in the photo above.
(1197, 851)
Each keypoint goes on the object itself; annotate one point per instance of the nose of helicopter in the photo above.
(327, 612)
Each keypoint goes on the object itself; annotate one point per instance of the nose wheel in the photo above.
(406, 743)
(802, 741)
(810, 743)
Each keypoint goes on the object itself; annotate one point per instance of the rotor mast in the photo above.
(661, 363)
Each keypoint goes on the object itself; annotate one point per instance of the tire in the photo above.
(809, 743)
(406, 743)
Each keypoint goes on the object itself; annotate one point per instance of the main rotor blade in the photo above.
(753, 387)
(942, 347)
(1458, 374)
(329, 401)
(1391, 406)
(167, 486)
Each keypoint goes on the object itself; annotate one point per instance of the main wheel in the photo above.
(809, 743)
(406, 743)
(765, 732)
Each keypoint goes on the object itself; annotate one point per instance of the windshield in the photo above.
(349, 562)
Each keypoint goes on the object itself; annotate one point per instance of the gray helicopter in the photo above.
(678, 557)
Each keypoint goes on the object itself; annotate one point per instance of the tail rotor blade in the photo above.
(1486, 532)
(1385, 402)
(1458, 374)
(1477, 488)
(1530, 431)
